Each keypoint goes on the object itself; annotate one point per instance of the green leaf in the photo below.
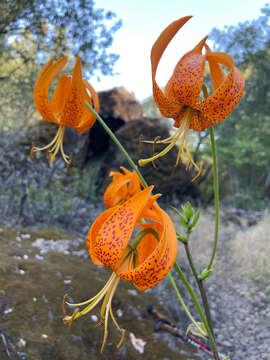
(195, 219)
(188, 210)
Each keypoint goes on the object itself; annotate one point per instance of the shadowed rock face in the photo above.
(161, 175)
(118, 107)
(37, 269)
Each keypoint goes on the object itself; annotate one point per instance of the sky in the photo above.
(143, 21)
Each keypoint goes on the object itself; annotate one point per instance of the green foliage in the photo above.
(243, 139)
(61, 27)
(149, 107)
(31, 31)
(188, 219)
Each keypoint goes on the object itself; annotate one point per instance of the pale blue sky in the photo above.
(143, 21)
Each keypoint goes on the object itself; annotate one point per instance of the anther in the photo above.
(64, 304)
(32, 151)
(69, 164)
(122, 338)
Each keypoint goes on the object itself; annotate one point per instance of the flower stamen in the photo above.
(53, 147)
(183, 152)
(107, 293)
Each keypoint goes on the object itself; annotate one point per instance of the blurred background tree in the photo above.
(243, 139)
(33, 30)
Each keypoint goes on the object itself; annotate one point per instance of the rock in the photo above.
(117, 106)
(118, 103)
(161, 176)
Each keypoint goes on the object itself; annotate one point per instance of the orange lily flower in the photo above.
(122, 187)
(181, 97)
(66, 107)
(144, 261)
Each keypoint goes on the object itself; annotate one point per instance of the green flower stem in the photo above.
(201, 288)
(216, 192)
(203, 294)
(117, 143)
(183, 303)
(198, 306)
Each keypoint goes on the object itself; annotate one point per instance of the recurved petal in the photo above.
(88, 118)
(74, 106)
(135, 184)
(185, 83)
(45, 67)
(224, 99)
(122, 187)
(41, 88)
(163, 40)
(94, 95)
(158, 258)
(93, 232)
(167, 107)
(61, 93)
(216, 72)
(116, 191)
(109, 238)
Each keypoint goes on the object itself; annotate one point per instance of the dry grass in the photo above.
(251, 250)
(247, 251)
(202, 237)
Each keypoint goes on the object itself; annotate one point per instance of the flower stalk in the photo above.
(216, 194)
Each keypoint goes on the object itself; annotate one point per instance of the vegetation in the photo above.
(32, 31)
(243, 140)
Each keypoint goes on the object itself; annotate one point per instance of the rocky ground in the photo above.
(39, 266)
(241, 312)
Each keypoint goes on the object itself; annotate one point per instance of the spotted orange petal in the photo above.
(225, 98)
(216, 72)
(185, 84)
(74, 105)
(118, 191)
(167, 106)
(93, 232)
(158, 258)
(109, 237)
(60, 94)
(88, 118)
(41, 88)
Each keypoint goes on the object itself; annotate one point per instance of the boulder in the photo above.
(118, 106)
(118, 103)
(167, 180)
